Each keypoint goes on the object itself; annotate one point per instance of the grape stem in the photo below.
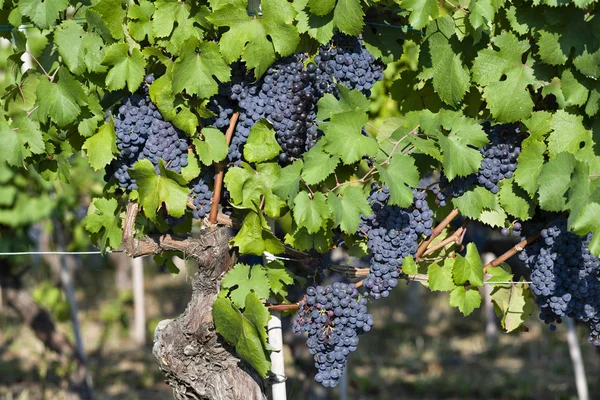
(516, 249)
(436, 232)
(456, 238)
(220, 173)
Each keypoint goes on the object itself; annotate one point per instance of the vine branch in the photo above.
(220, 173)
(436, 232)
(456, 237)
(516, 249)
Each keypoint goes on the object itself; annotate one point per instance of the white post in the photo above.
(274, 332)
(491, 328)
(577, 360)
(138, 332)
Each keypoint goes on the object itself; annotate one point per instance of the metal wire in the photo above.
(42, 253)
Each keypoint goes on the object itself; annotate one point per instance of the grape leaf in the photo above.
(256, 40)
(155, 189)
(320, 241)
(574, 92)
(348, 17)
(321, 7)
(261, 145)
(103, 220)
(469, 268)
(192, 170)
(344, 138)
(194, 69)
(79, 49)
(279, 277)
(255, 237)
(213, 148)
(529, 165)
(451, 77)
(494, 218)
(243, 279)
(515, 200)
(400, 172)
(568, 134)
(514, 304)
(43, 13)
(111, 15)
(482, 12)
(508, 99)
(474, 201)
(347, 207)
(162, 95)
(538, 125)
(317, 27)
(60, 101)
(101, 147)
(349, 100)
(440, 277)
(240, 332)
(554, 181)
(421, 10)
(288, 183)
(465, 300)
(140, 25)
(318, 165)
(311, 213)
(18, 144)
(127, 69)
(587, 222)
(258, 314)
(579, 190)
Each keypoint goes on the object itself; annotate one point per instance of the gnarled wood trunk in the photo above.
(197, 363)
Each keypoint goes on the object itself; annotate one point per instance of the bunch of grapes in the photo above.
(333, 316)
(565, 276)
(201, 196)
(499, 162)
(143, 134)
(392, 234)
(288, 93)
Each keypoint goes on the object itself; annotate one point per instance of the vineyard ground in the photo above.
(418, 349)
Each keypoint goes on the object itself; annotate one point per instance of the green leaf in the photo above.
(192, 170)
(472, 203)
(261, 145)
(421, 10)
(554, 181)
(409, 266)
(140, 25)
(347, 207)
(102, 147)
(568, 134)
(256, 40)
(213, 148)
(538, 125)
(344, 138)
(579, 190)
(279, 277)
(194, 69)
(469, 268)
(482, 12)
(318, 165)
(348, 17)
(400, 172)
(440, 278)
(243, 279)
(505, 78)
(79, 49)
(494, 218)
(499, 276)
(451, 77)
(127, 69)
(574, 92)
(288, 183)
(255, 237)
(321, 7)
(349, 100)
(111, 14)
(162, 95)
(549, 48)
(515, 200)
(459, 156)
(43, 13)
(529, 165)
(587, 222)
(258, 315)
(155, 189)
(103, 220)
(60, 101)
(302, 240)
(465, 300)
(311, 213)
(514, 303)
(20, 142)
(240, 332)
(319, 28)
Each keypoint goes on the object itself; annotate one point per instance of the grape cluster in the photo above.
(288, 93)
(143, 134)
(516, 229)
(392, 234)
(499, 162)
(333, 316)
(201, 196)
(565, 276)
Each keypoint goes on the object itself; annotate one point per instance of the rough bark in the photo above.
(195, 360)
(40, 321)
